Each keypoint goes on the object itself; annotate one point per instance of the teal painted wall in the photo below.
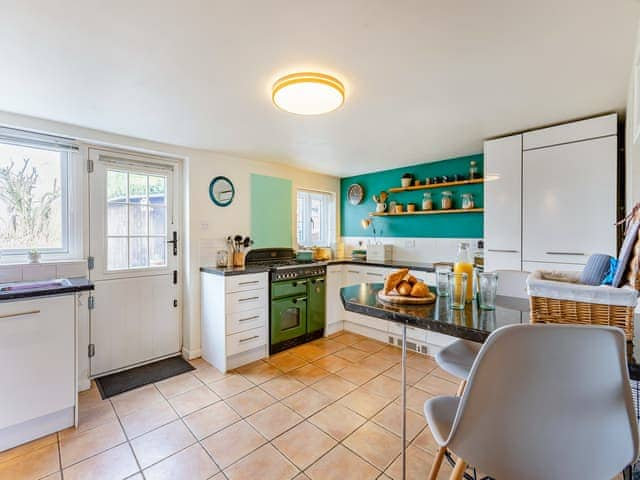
(271, 211)
(454, 225)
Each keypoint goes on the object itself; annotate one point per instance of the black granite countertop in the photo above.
(227, 271)
(16, 291)
(419, 266)
(472, 323)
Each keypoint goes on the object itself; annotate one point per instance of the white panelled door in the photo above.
(134, 228)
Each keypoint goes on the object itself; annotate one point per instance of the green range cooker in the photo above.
(298, 293)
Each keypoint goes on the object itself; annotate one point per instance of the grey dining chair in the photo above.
(457, 357)
(542, 401)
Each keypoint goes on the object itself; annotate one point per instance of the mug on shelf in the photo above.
(381, 207)
(399, 208)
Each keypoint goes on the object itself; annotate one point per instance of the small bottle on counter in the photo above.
(446, 200)
(473, 170)
(427, 201)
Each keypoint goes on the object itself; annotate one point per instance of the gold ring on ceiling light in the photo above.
(308, 93)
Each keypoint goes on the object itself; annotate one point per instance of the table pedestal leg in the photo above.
(404, 401)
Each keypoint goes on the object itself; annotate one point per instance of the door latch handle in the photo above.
(174, 241)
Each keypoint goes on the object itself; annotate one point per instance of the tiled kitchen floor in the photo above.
(325, 410)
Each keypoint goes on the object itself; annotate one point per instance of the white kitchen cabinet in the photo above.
(37, 367)
(235, 319)
(569, 201)
(502, 203)
(602, 126)
(335, 313)
(353, 274)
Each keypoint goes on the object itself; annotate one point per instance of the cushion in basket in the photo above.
(613, 265)
(625, 254)
(596, 269)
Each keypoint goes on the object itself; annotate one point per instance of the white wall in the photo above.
(632, 149)
(200, 166)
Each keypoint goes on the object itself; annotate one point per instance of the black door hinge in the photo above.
(92, 350)
(175, 303)
(175, 277)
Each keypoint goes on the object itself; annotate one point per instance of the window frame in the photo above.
(328, 223)
(67, 218)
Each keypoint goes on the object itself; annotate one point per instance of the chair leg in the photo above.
(437, 463)
(461, 388)
(458, 472)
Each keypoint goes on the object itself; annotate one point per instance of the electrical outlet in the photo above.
(410, 244)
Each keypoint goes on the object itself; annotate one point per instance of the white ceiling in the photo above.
(425, 80)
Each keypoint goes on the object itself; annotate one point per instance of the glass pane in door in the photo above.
(290, 318)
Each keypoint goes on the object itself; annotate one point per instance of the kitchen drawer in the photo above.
(244, 341)
(240, 283)
(242, 321)
(367, 321)
(427, 277)
(245, 301)
(375, 275)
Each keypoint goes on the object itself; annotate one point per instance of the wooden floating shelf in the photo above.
(436, 185)
(427, 212)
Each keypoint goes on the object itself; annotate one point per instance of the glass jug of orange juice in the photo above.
(464, 264)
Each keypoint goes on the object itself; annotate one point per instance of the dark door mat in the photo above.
(116, 383)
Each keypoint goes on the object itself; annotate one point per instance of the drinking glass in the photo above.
(488, 289)
(457, 290)
(442, 281)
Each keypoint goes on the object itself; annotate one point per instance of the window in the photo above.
(34, 199)
(315, 219)
(136, 220)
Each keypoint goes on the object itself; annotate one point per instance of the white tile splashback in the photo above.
(42, 271)
(416, 249)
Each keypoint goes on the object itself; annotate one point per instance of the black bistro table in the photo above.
(472, 324)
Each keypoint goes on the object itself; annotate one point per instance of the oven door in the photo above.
(288, 318)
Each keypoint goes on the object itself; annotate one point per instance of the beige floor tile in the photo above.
(286, 361)
(391, 419)
(421, 362)
(307, 402)
(351, 354)
(179, 384)
(357, 374)
(77, 447)
(207, 373)
(413, 375)
(94, 416)
(193, 400)
(424, 440)
(211, 419)
(250, 401)
(230, 385)
(328, 345)
(416, 399)
(375, 444)
(418, 466)
(114, 464)
(341, 464)
(142, 397)
(376, 363)
(259, 372)
(301, 476)
(28, 447)
(309, 352)
(162, 442)
(337, 421)
(283, 386)
(334, 387)
(438, 372)
(35, 464)
(266, 463)
(304, 444)
(234, 442)
(53, 476)
(274, 420)
(309, 374)
(90, 398)
(384, 386)
(437, 386)
(332, 364)
(219, 476)
(364, 403)
(146, 419)
(369, 345)
(192, 463)
(348, 338)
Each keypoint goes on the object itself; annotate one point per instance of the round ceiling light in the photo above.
(308, 93)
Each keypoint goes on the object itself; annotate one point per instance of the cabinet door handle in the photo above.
(252, 282)
(249, 318)
(577, 254)
(353, 271)
(301, 299)
(242, 340)
(248, 299)
(375, 274)
(296, 284)
(10, 315)
(497, 250)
